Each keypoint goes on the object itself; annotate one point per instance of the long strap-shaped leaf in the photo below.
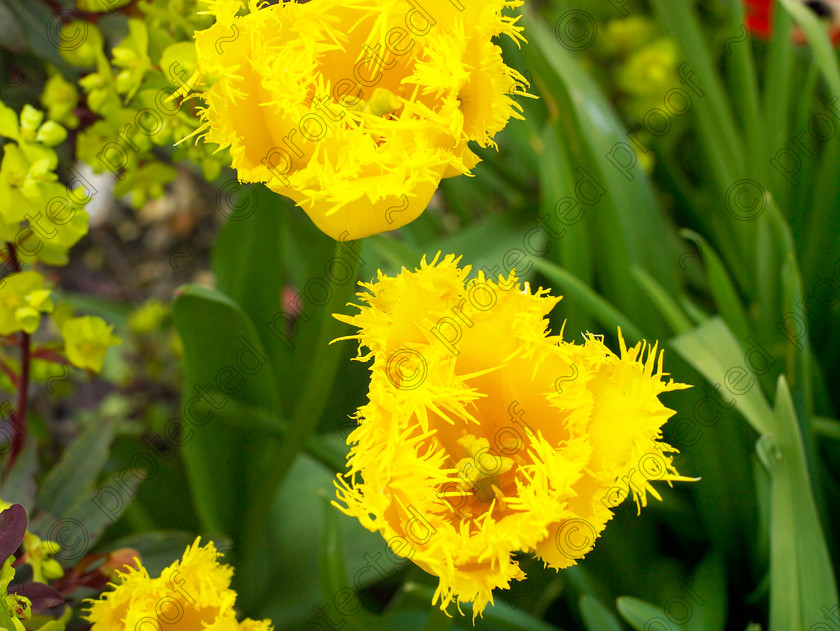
(715, 116)
(802, 582)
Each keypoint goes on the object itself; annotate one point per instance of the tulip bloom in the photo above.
(192, 594)
(484, 435)
(356, 109)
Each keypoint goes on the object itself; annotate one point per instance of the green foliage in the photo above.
(586, 196)
(136, 88)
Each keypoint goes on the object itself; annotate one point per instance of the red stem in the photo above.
(23, 400)
(48, 355)
(19, 417)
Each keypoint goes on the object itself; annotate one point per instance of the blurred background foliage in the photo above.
(710, 226)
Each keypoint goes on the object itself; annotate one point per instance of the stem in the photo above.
(48, 355)
(310, 405)
(19, 415)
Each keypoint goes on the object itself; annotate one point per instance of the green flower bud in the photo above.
(51, 134)
(60, 97)
(52, 569)
(28, 318)
(30, 120)
(50, 547)
(88, 52)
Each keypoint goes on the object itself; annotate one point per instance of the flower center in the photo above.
(481, 468)
(381, 103)
(483, 476)
(16, 179)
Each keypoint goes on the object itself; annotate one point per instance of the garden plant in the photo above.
(419, 315)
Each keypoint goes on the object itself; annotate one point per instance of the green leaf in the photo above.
(743, 87)
(498, 617)
(222, 350)
(600, 309)
(768, 266)
(670, 310)
(334, 582)
(708, 591)
(642, 615)
(309, 406)
(779, 90)
(396, 253)
(496, 244)
(713, 351)
(774, 246)
(596, 617)
(721, 287)
(255, 419)
(820, 248)
(79, 526)
(570, 245)
(438, 621)
(41, 27)
(828, 427)
(74, 475)
(612, 192)
(323, 273)
(802, 579)
(248, 256)
(12, 36)
(717, 128)
(798, 355)
(18, 485)
(824, 53)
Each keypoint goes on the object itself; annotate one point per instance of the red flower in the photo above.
(760, 16)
